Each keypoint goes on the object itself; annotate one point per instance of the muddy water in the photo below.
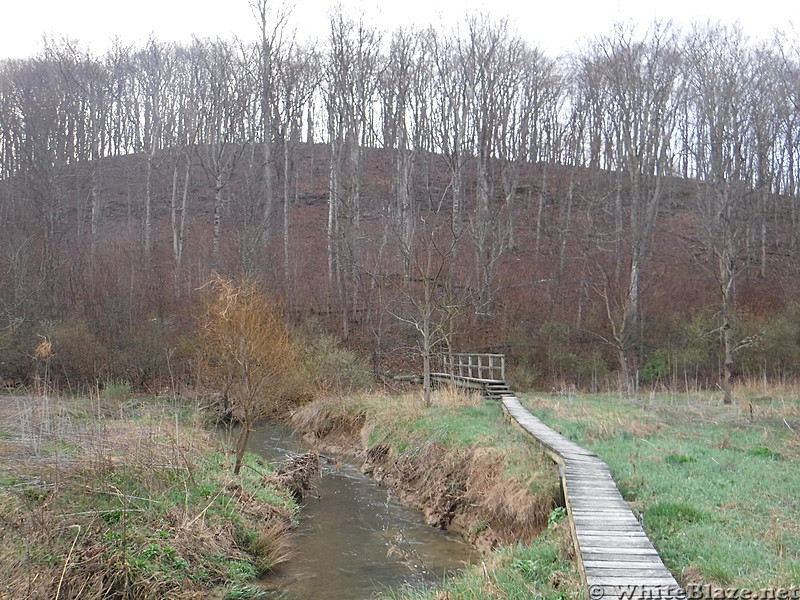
(355, 538)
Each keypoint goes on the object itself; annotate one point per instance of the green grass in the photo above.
(541, 570)
(475, 423)
(717, 486)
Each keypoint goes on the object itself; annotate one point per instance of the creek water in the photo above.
(355, 539)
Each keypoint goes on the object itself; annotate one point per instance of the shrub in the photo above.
(654, 369)
(248, 354)
(334, 369)
(80, 358)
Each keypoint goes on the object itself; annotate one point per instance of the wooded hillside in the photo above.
(628, 213)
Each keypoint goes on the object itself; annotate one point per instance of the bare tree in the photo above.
(720, 69)
(298, 81)
(350, 84)
(427, 298)
(221, 140)
(640, 80)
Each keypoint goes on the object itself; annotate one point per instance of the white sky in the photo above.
(556, 25)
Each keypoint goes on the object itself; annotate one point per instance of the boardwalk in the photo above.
(616, 558)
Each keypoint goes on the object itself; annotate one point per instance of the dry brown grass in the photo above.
(512, 512)
(454, 396)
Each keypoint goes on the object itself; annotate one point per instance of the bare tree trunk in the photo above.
(148, 203)
(96, 209)
(219, 206)
(241, 444)
(287, 215)
(539, 215)
(726, 289)
(333, 213)
(178, 222)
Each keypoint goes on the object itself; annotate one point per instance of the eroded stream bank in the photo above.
(355, 537)
(464, 467)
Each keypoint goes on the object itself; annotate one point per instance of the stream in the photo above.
(355, 538)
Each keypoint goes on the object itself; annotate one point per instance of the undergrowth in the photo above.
(137, 502)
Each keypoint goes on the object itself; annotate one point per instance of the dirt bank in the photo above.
(460, 487)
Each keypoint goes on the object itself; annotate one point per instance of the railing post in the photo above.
(503, 367)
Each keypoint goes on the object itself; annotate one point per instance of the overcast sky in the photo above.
(556, 25)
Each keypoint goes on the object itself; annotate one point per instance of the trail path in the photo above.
(617, 559)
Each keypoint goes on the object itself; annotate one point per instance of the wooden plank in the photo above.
(588, 492)
(614, 534)
(642, 559)
(641, 571)
(605, 508)
(606, 526)
(649, 562)
(662, 581)
(600, 510)
(587, 471)
(589, 483)
(615, 511)
(587, 527)
(637, 537)
(582, 507)
(598, 550)
(614, 514)
(587, 542)
(586, 497)
(591, 500)
(576, 467)
(587, 488)
(590, 477)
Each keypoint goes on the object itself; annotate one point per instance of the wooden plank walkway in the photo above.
(617, 560)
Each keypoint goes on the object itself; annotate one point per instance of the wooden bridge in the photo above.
(616, 559)
(482, 372)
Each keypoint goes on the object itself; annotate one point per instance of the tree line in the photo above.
(421, 180)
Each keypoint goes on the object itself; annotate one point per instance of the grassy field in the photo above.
(717, 487)
(129, 498)
(133, 497)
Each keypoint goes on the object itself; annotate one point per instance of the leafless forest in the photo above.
(624, 215)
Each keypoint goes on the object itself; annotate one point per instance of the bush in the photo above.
(774, 350)
(654, 369)
(334, 369)
(80, 358)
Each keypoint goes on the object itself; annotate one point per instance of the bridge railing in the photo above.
(474, 365)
